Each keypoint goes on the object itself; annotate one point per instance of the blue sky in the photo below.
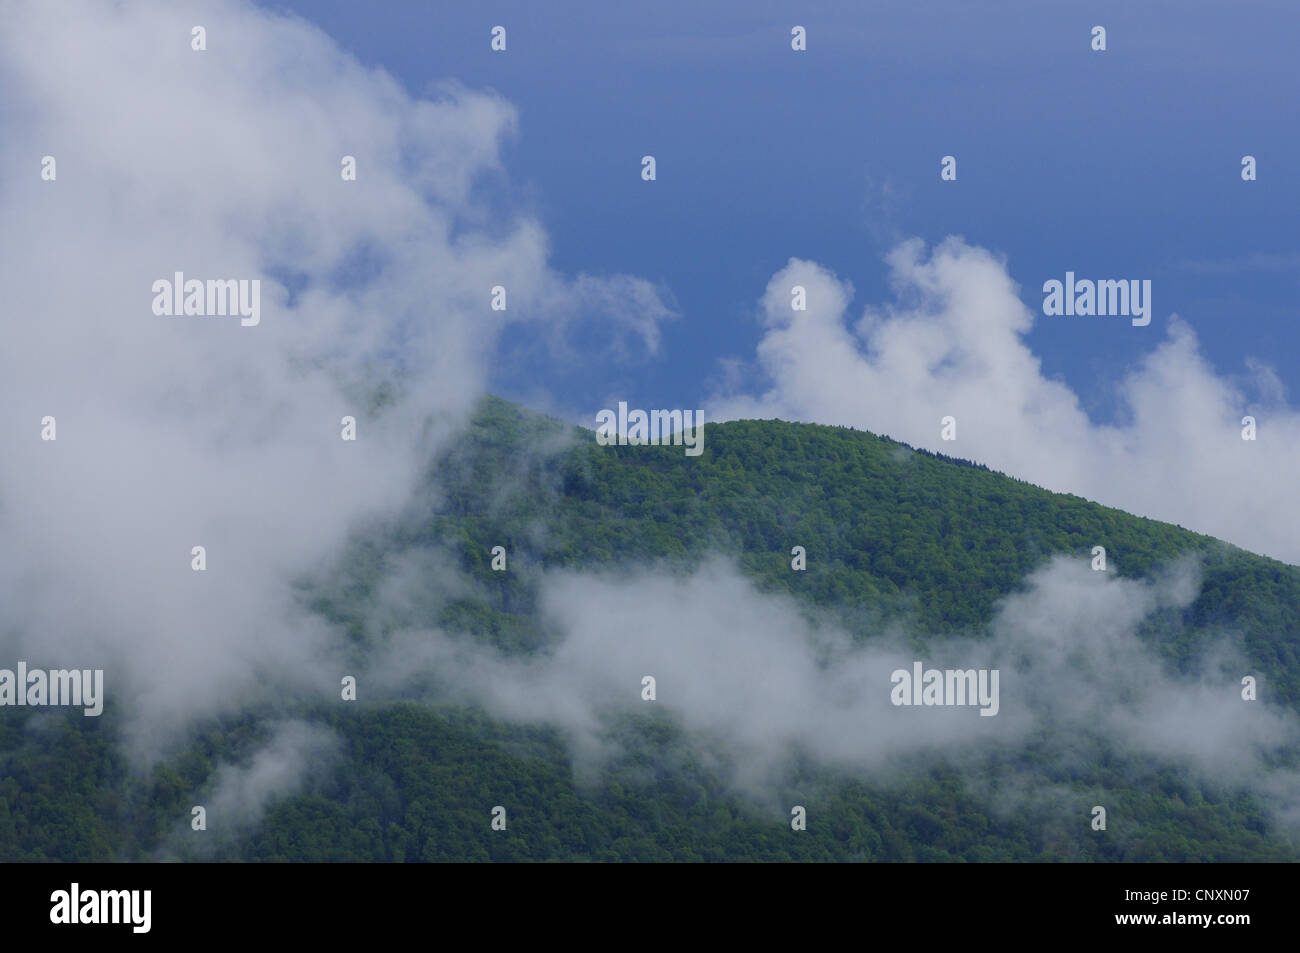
(1123, 163)
(775, 169)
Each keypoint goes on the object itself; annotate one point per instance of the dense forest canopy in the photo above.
(893, 535)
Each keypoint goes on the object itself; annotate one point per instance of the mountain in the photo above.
(897, 540)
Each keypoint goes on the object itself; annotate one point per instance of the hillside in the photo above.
(894, 537)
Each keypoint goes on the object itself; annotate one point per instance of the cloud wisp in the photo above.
(131, 156)
(751, 679)
(954, 345)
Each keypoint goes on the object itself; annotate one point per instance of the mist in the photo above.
(184, 431)
(755, 681)
(176, 432)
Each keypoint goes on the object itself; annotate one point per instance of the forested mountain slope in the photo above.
(892, 535)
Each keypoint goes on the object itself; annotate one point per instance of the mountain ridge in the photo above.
(894, 536)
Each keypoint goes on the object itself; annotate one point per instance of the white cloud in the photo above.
(954, 345)
(749, 677)
(183, 431)
(237, 796)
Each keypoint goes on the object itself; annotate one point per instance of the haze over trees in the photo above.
(896, 539)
